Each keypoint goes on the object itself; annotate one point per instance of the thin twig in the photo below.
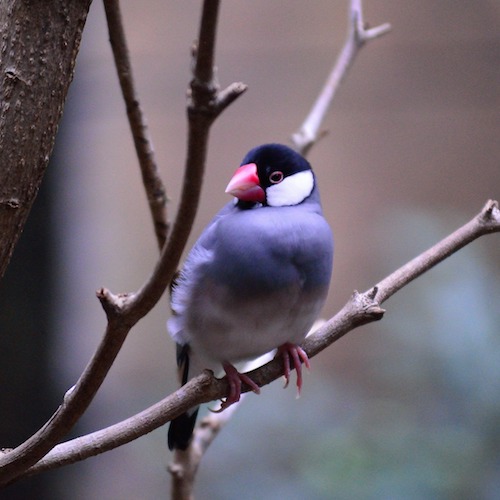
(155, 189)
(362, 308)
(124, 311)
(309, 132)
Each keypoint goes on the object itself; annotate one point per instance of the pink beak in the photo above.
(245, 184)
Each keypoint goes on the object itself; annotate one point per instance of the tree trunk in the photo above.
(39, 41)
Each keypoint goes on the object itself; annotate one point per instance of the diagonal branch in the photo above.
(362, 308)
(125, 310)
(155, 190)
(486, 222)
(357, 35)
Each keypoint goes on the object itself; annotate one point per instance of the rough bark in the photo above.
(39, 42)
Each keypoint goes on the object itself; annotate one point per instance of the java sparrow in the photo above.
(256, 279)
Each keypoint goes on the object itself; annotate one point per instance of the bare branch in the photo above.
(155, 190)
(362, 308)
(229, 94)
(78, 449)
(357, 35)
(484, 223)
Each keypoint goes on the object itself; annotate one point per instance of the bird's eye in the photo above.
(276, 177)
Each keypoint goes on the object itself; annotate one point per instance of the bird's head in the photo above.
(274, 175)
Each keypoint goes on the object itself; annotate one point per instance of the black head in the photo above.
(275, 162)
(281, 177)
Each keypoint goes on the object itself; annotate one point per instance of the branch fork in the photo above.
(359, 30)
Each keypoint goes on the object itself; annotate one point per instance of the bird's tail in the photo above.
(181, 428)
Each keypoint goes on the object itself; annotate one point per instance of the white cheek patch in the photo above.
(293, 190)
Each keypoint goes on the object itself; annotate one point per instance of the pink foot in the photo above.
(235, 379)
(298, 356)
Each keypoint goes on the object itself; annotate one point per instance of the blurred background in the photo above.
(405, 408)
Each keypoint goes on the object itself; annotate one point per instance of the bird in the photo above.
(255, 280)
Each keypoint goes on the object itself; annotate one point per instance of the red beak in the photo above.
(245, 184)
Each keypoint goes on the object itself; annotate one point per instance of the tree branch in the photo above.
(125, 310)
(155, 190)
(362, 308)
(357, 35)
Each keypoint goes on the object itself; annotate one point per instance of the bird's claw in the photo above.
(235, 379)
(293, 357)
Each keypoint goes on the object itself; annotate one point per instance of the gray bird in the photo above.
(255, 280)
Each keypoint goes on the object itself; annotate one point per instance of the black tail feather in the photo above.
(181, 430)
